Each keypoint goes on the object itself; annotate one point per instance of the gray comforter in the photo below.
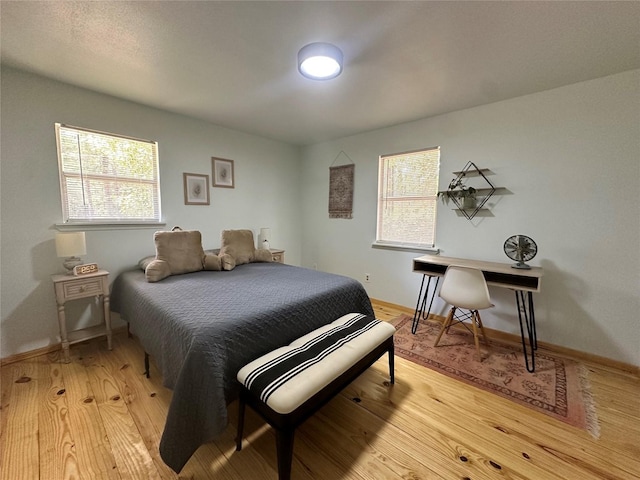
(201, 328)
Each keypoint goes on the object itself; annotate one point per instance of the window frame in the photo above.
(399, 245)
(71, 224)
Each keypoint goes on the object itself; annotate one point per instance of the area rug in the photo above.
(559, 387)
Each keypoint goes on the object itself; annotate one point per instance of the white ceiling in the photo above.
(234, 63)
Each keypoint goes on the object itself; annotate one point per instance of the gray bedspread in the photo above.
(201, 328)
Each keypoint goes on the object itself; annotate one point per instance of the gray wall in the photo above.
(570, 158)
(266, 195)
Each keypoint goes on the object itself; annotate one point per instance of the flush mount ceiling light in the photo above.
(320, 61)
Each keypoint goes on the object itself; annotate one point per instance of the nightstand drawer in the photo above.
(277, 255)
(83, 288)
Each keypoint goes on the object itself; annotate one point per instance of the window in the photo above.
(107, 178)
(407, 198)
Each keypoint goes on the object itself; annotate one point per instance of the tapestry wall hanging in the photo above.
(341, 191)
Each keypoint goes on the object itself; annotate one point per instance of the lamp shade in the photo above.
(320, 61)
(265, 234)
(70, 244)
(264, 238)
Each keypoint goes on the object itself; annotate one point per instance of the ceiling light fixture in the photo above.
(320, 61)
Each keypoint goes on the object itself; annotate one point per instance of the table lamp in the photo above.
(264, 238)
(70, 246)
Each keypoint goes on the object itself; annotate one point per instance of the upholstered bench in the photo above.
(289, 384)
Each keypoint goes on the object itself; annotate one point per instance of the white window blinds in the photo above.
(107, 178)
(407, 198)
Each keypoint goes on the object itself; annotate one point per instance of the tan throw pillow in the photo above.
(177, 252)
(239, 244)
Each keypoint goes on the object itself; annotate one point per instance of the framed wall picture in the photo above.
(222, 172)
(196, 189)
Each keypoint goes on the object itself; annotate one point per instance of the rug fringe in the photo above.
(593, 425)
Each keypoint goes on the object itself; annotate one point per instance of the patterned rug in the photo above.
(341, 191)
(558, 387)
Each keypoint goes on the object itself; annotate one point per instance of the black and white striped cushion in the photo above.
(285, 378)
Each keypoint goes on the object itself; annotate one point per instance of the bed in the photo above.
(200, 328)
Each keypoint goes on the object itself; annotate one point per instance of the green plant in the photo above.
(457, 189)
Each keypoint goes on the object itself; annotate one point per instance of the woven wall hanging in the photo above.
(341, 189)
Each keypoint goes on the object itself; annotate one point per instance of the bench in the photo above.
(289, 384)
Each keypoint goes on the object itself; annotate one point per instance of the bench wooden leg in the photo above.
(392, 363)
(146, 364)
(241, 409)
(284, 445)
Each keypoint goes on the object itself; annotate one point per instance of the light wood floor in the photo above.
(98, 417)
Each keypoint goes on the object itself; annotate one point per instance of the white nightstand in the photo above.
(70, 287)
(278, 255)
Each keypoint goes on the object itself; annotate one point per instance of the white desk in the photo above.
(497, 274)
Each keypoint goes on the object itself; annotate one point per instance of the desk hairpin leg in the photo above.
(422, 302)
(418, 311)
(526, 312)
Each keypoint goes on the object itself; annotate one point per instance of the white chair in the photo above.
(465, 288)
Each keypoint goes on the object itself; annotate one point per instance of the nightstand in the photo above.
(71, 287)
(278, 255)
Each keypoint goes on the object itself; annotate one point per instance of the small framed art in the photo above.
(196, 189)
(222, 172)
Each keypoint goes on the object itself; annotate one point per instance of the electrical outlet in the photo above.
(367, 277)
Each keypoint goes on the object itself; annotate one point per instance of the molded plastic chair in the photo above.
(465, 288)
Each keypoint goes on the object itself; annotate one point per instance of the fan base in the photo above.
(521, 266)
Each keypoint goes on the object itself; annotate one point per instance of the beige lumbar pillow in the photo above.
(180, 251)
(240, 245)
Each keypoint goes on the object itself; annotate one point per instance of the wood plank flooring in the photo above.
(98, 417)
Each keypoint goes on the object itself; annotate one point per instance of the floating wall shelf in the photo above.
(484, 189)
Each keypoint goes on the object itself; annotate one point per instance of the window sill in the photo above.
(77, 226)
(405, 248)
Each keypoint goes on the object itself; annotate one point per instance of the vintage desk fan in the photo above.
(521, 249)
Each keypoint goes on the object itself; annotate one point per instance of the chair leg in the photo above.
(474, 323)
(453, 317)
(484, 335)
(445, 325)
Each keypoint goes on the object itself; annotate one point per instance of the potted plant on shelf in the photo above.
(464, 195)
